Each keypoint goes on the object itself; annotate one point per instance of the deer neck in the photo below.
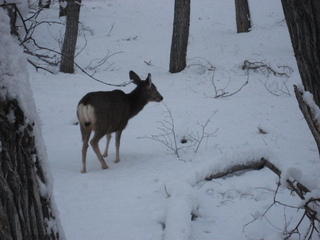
(137, 102)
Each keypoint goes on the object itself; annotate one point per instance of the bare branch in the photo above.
(309, 116)
(203, 134)
(39, 67)
(95, 63)
(266, 70)
(311, 206)
(109, 33)
(50, 56)
(221, 93)
(168, 136)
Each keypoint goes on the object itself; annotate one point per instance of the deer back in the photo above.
(107, 112)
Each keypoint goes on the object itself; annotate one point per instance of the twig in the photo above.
(168, 136)
(210, 67)
(100, 62)
(148, 63)
(203, 134)
(166, 190)
(109, 33)
(221, 93)
(267, 70)
(311, 206)
(264, 68)
(39, 67)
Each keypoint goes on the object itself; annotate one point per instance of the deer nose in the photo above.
(160, 98)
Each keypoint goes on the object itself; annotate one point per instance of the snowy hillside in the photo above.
(152, 193)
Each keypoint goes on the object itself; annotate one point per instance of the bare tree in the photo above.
(70, 37)
(242, 16)
(303, 23)
(303, 20)
(180, 35)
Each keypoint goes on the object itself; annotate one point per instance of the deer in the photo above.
(106, 112)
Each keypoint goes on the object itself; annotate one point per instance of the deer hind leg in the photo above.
(85, 139)
(118, 137)
(105, 154)
(95, 145)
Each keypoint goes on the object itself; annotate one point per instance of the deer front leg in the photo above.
(105, 154)
(118, 137)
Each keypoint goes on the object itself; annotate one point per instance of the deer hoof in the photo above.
(83, 171)
(117, 160)
(105, 166)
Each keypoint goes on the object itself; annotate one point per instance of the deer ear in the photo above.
(148, 80)
(134, 77)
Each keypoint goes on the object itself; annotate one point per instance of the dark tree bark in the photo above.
(23, 210)
(62, 10)
(27, 210)
(308, 116)
(303, 20)
(180, 35)
(11, 10)
(242, 16)
(70, 36)
(44, 3)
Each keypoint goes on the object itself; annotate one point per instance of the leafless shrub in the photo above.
(197, 137)
(308, 210)
(274, 87)
(308, 213)
(219, 91)
(168, 136)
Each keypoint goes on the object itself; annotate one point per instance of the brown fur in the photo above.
(108, 112)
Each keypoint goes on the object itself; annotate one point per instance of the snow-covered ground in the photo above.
(151, 193)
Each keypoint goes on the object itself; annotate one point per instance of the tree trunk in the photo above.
(24, 211)
(242, 16)
(11, 10)
(70, 37)
(303, 20)
(44, 3)
(27, 210)
(180, 35)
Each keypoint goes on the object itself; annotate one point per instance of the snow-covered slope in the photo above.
(151, 193)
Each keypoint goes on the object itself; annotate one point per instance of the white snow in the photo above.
(308, 98)
(151, 193)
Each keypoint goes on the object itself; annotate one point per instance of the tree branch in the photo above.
(254, 165)
(308, 115)
(311, 206)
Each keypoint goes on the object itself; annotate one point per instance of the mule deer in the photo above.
(108, 112)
